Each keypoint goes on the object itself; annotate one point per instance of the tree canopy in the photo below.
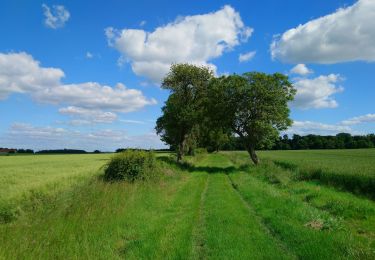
(254, 106)
(182, 111)
(204, 110)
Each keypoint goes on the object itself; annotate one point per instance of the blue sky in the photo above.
(84, 74)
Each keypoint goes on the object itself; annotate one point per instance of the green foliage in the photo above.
(340, 141)
(201, 151)
(213, 138)
(131, 165)
(182, 111)
(8, 212)
(205, 111)
(254, 106)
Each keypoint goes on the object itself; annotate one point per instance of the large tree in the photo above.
(182, 112)
(254, 106)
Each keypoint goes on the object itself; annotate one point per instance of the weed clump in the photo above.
(131, 165)
(7, 212)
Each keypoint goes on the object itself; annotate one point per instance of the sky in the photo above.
(86, 74)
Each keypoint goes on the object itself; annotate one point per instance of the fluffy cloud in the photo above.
(55, 17)
(369, 118)
(309, 127)
(301, 69)
(24, 135)
(195, 39)
(317, 92)
(20, 73)
(346, 35)
(92, 95)
(246, 56)
(88, 115)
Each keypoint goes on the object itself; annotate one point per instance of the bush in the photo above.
(130, 165)
(201, 151)
(7, 212)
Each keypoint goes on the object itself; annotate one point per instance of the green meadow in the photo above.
(294, 205)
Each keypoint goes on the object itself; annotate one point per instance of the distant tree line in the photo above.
(298, 142)
(61, 151)
(25, 151)
(339, 141)
(119, 150)
(13, 151)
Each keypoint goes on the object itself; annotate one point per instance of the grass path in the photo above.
(231, 230)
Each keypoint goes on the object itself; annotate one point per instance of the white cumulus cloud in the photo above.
(88, 115)
(310, 127)
(345, 35)
(317, 92)
(21, 135)
(195, 39)
(369, 118)
(92, 95)
(20, 73)
(301, 69)
(55, 17)
(243, 57)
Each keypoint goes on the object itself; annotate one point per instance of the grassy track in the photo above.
(215, 209)
(231, 230)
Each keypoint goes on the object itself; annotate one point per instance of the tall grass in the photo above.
(26, 181)
(352, 170)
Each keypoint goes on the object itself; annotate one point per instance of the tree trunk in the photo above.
(180, 151)
(253, 155)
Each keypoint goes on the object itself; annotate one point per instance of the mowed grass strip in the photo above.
(231, 230)
(109, 221)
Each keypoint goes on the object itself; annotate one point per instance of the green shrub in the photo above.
(7, 212)
(200, 151)
(130, 165)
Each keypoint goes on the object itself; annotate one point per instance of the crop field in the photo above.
(215, 206)
(353, 170)
(346, 161)
(23, 178)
